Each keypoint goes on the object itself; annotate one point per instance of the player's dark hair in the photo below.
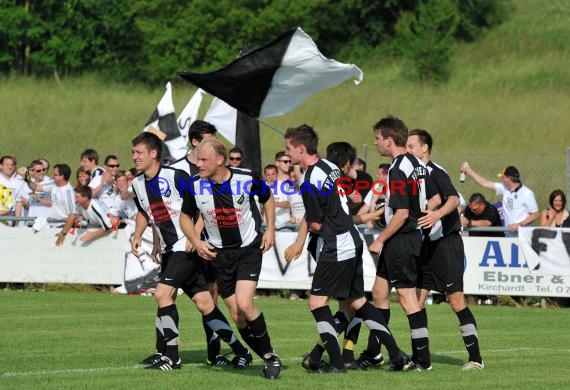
(424, 136)
(303, 135)
(198, 128)
(85, 191)
(150, 140)
(392, 127)
(340, 153)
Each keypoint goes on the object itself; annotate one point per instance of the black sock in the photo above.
(259, 330)
(420, 338)
(340, 322)
(248, 337)
(168, 317)
(212, 340)
(160, 342)
(351, 339)
(316, 353)
(327, 332)
(468, 327)
(379, 332)
(218, 324)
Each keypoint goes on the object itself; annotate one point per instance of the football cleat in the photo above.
(219, 361)
(165, 364)
(312, 366)
(400, 362)
(272, 367)
(353, 365)
(328, 369)
(148, 361)
(367, 361)
(242, 361)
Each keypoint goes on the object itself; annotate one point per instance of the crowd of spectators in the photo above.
(101, 197)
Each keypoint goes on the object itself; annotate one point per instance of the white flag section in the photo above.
(304, 70)
(546, 250)
(164, 119)
(275, 78)
(224, 117)
(190, 113)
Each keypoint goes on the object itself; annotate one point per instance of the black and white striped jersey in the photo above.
(160, 200)
(96, 214)
(326, 203)
(230, 213)
(439, 182)
(406, 189)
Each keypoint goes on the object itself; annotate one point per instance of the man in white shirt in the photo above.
(519, 202)
(37, 203)
(61, 194)
(9, 178)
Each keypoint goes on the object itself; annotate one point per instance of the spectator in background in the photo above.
(295, 199)
(92, 211)
(377, 196)
(37, 203)
(82, 177)
(480, 213)
(62, 199)
(555, 215)
(281, 190)
(45, 161)
(519, 204)
(101, 181)
(359, 165)
(235, 157)
(9, 178)
(6, 201)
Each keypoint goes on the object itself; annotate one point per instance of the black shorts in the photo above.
(236, 264)
(398, 261)
(339, 279)
(183, 270)
(209, 271)
(442, 264)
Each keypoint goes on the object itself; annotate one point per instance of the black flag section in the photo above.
(245, 82)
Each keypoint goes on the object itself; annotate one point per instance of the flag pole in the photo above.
(271, 127)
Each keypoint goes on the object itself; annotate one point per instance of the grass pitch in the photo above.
(94, 340)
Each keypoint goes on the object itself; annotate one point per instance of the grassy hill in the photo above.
(506, 103)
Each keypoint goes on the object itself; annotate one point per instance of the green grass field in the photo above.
(94, 340)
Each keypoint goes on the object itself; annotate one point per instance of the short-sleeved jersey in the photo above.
(439, 182)
(230, 213)
(518, 204)
(326, 203)
(160, 201)
(63, 198)
(96, 214)
(406, 189)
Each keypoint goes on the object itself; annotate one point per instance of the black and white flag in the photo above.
(275, 78)
(164, 119)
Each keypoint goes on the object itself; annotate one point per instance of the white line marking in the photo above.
(197, 364)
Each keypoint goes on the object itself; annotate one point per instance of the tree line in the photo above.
(150, 40)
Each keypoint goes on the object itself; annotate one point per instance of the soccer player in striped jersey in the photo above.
(234, 243)
(443, 253)
(158, 195)
(201, 130)
(400, 243)
(338, 252)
